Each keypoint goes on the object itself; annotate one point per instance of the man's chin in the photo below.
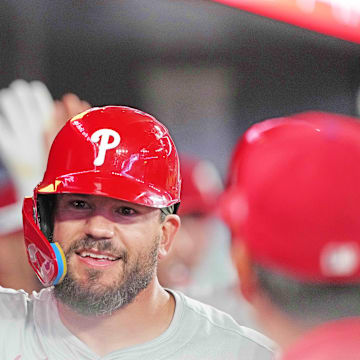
(95, 292)
(95, 286)
(89, 299)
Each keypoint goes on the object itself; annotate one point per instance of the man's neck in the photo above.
(146, 318)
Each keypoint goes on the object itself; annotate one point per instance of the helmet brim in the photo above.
(112, 185)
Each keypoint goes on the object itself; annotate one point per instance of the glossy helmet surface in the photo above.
(112, 151)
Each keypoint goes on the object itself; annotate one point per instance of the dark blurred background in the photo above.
(205, 70)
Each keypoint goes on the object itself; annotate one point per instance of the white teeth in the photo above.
(97, 256)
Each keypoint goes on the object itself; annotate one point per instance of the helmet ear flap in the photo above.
(45, 257)
(45, 208)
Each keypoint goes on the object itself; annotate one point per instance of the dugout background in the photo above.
(205, 70)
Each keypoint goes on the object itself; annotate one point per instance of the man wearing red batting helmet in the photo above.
(292, 205)
(95, 228)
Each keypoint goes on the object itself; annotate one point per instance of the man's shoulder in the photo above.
(208, 312)
(18, 303)
(13, 303)
(11, 295)
(218, 322)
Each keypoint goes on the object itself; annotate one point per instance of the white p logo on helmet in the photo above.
(105, 145)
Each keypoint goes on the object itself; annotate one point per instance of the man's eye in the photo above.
(126, 211)
(79, 204)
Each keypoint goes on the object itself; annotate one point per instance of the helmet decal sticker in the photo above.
(44, 265)
(105, 145)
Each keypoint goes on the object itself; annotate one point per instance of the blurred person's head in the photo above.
(293, 205)
(200, 190)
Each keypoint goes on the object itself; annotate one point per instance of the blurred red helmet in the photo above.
(294, 197)
(333, 340)
(113, 151)
(201, 186)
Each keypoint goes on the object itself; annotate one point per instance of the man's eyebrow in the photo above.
(75, 195)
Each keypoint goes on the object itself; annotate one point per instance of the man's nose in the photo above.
(99, 227)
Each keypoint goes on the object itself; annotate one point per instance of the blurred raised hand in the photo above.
(29, 121)
(26, 110)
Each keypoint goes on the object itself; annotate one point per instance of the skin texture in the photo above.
(135, 236)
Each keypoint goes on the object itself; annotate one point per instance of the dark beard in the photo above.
(94, 299)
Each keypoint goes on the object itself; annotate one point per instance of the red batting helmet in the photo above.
(113, 151)
(201, 186)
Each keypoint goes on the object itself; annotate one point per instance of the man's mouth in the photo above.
(98, 258)
(84, 254)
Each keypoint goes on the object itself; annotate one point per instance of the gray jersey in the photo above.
(31, 329)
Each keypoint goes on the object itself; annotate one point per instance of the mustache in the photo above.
(88, 243)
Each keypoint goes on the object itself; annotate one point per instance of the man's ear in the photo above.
(169, 228)
(242, 261)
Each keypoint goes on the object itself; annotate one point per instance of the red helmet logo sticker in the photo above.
(103, 136)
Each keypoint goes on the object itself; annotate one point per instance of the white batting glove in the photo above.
(26, 113)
